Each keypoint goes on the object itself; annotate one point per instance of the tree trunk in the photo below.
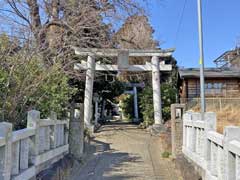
(35, 19)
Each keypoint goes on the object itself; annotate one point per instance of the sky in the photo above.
(221, 28)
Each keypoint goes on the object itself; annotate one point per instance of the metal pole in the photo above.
(201, 61)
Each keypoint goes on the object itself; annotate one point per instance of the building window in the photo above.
(213, 88)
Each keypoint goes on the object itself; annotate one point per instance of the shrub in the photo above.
(168, 94)
(126, 104)
(146, 106)
(166, 154)
(26, 83)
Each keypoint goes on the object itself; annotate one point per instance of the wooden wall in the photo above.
(213, 88)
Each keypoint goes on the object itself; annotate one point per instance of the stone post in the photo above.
(177, 129)
(24, 153)
(96, 100)
(33, 120)
(195, 117)
(210, 125)
(103, 109)
(89, 91)
(230, 133)
(96, 113)
(76, 131)
(186, 117)
(53, 136)
(157, 103)
(136, 117)
(6, 151)
(15, 157)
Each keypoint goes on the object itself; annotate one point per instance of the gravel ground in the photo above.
(124, 152)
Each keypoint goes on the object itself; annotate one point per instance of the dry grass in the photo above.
(229, 115)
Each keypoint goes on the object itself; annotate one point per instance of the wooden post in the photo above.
(89, 91)
(157, 103)
(6, 151)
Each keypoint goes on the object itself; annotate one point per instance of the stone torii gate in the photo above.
(123, 65)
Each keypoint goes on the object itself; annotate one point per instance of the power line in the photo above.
(180, 21)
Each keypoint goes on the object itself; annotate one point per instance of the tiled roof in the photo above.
(209, 72)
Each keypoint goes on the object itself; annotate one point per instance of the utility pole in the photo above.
(201, 61)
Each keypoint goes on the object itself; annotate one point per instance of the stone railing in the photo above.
(217, 155)
(26, 152)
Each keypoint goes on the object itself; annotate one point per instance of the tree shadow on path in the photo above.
(106, 163)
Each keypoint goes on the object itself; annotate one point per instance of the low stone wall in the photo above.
(216, 155)
(26, 152)
(187, 169)
(61, 170)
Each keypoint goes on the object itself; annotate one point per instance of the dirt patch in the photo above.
(187, 170)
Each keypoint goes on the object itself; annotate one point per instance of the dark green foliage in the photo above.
(25, 84)
(146, 106)
(107, 89)
(166, 154)
(168, 93)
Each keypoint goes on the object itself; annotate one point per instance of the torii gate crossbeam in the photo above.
(155, 66)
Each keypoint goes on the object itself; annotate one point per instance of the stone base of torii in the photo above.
(123, 64)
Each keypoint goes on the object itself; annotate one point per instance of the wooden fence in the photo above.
(26, 152)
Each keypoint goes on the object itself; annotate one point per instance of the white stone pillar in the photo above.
(186, 117)
(24, 153)
(53, 136)
(157, 103)
(230, 133)
(135, 104)
(33, 120)
(6, 151)
(96, 112)
(220, 163)
(15, 157)
(89, 91)
(210, 125)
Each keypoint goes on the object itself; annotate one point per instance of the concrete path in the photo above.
(124, 152)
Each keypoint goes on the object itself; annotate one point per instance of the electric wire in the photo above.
(180, 21)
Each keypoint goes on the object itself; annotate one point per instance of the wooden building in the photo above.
(219, 82)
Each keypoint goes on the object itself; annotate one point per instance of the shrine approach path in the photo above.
(122, 151)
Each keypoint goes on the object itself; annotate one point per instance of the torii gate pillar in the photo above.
(157, 103)
(89, 91)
